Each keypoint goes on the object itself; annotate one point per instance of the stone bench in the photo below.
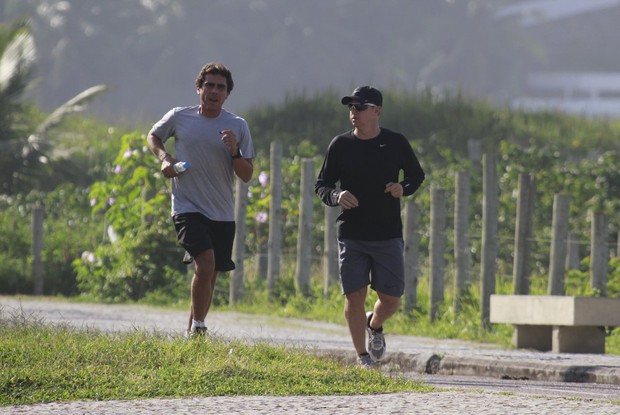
(562, 324)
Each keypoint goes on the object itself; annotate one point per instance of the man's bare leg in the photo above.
(355, 314)
(385, 307)
(203, 286)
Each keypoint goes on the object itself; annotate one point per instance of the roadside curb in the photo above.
(529, 370)
(435, 364)
(428, 363)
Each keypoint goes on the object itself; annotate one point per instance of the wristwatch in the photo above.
(238, 155)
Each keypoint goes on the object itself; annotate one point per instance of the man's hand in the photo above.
(346, 200)
(167, 168)
(395, 189)
(230, 141)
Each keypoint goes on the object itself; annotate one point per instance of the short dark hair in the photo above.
(215, 68)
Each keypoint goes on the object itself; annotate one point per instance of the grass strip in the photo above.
(41, 363)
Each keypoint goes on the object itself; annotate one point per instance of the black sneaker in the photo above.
(376, 340)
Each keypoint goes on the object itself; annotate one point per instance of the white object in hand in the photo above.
(181, 166)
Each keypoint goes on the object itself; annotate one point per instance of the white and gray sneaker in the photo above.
(376, 340)
(196, 332)
(365, 361)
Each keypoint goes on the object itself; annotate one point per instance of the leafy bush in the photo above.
(140, 254)
(14, 247)
(67, 230)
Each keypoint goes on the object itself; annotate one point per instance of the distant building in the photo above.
(583, 93)
(591, 93)
(535, 12)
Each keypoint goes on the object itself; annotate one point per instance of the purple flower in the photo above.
(88, 256)
(261, 217)
(127, 153)
(263, 179)
(118, 169)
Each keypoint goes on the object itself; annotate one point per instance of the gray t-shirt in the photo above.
(207, 186)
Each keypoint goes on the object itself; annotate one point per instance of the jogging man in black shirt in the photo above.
(367, 162)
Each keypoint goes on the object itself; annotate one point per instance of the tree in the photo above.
(25, 158)
(17, 57)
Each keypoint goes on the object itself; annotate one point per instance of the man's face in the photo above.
(361, 115)
(213, 93)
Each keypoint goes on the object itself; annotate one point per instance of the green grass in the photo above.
(40, 363)
(464, 325)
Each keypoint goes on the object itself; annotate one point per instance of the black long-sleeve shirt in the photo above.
(364, 167)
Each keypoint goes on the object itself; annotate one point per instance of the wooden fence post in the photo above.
(412, 249)
(437, 246)
(490, 201)
(304, 234)
(462, 252)
(262, 261)
(38, 214)
(523, 231)
(599, 254)
(474, 150)
(238, 253)
(274, 244)
(330, 249)
(572, 252)
(558, 245)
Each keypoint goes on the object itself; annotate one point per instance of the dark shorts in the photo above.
(196, 233)
(378, 263)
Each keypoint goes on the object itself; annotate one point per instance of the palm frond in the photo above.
(17, 62)
(75, 104)
(38, 142)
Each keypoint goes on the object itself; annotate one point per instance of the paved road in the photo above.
(468, 366)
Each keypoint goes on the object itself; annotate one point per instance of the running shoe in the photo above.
(196, 332)
(376, 340)
(365, 361)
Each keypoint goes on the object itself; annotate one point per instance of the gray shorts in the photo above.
(378, 263)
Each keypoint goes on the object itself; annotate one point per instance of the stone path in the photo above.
(388, 404)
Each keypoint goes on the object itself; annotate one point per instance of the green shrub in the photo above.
(67, 229)
(141, 255)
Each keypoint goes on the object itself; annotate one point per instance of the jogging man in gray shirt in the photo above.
(217, 145)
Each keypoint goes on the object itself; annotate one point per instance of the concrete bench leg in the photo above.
(584, 339)
(532, 337)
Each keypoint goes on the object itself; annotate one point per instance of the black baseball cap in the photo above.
(364, 95)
